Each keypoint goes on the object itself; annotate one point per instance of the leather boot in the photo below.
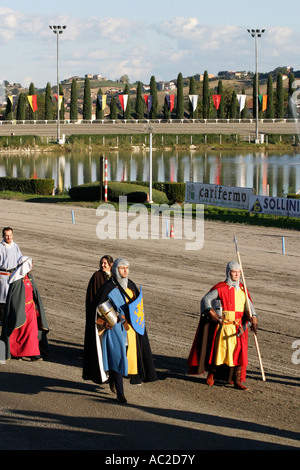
(237, 380)
(210, 379)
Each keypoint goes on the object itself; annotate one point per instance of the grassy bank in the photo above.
(106, 142)
(210, 212)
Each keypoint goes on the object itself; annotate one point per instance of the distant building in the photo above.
(200, 78)
(231, 74)
(165, 86)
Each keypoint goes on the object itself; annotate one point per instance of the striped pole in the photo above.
(105, 183)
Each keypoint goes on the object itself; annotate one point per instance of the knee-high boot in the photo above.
(237, 379)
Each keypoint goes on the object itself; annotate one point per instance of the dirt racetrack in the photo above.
(46, 405)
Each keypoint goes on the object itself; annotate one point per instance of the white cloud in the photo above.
(116, 46)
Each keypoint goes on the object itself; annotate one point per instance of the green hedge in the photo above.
(17, 141)
(26, 185)
(134, 192)
(175, 192)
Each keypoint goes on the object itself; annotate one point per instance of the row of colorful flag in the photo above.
(170, 100)
(32, 99)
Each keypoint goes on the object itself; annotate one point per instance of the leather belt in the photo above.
(6, 272)
(233, 322)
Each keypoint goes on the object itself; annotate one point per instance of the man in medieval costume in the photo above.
(25, 327)
(222, 335)
(9, 255)
(121, 350)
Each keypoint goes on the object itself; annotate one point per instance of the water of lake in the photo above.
(269, 173)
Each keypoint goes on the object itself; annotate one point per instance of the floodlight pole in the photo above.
(150, 165)
(58, 30)
(256, 33)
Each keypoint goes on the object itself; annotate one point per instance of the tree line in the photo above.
(277, 102)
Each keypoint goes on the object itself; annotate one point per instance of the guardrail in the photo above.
(151, 121)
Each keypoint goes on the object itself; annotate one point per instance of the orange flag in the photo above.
(264, 102)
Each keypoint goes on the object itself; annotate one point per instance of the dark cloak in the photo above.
(15, 314)
(96, 281)
(91, 370)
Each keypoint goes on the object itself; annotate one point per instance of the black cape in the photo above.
(91, 370)
(96, 281)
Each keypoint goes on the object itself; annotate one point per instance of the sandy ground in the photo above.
(47, 405)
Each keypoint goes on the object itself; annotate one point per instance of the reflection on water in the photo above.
(273, 174)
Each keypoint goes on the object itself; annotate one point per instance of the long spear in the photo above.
(250, 311)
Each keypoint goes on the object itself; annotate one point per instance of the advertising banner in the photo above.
(275, 206)
(218, 195)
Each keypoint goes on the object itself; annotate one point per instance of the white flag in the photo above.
(194, 101)
(242, 101)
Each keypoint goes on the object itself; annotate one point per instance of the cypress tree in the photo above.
(221, 112)
(41, 106)
(166, 110)
(87, 102)
(180, 100)
(279, 97)
(192, 91)
(127, 112)
(233, 105)
(8, 111)
(153, 92)
(74, 101)
(205, 96)
(31, 115)
(113, 108)
(48, 104)
(21, 107)
(270, 102)
(140, 102)
(99, 110)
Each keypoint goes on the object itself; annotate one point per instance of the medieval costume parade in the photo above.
(222, 335)
(24, 326)
(113, 350)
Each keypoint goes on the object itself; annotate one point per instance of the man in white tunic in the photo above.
(9, 255)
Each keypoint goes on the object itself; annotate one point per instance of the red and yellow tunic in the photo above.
(227, 347)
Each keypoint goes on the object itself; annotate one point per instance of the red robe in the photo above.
(24, 340)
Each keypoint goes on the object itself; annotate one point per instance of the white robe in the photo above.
(9, 255)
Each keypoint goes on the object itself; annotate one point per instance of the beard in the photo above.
(123, 281)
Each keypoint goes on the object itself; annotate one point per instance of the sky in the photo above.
(142, 39)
